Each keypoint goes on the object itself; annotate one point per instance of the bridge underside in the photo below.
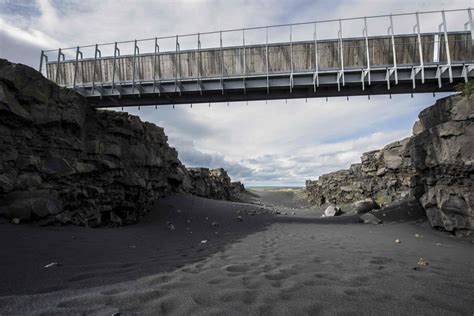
(278, 86)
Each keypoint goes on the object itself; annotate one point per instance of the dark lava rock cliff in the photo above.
(434, 167)
(63, 161)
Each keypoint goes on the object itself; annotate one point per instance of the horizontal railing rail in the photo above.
(108, 69)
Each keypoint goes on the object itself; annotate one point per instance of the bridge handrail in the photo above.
(167, 52)
(273, 26)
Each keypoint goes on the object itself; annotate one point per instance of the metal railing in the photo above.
(162, 57)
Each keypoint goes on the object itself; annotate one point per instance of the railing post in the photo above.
(316, 57)
(41, 62)
(222, 61)
(291, 58)
(471, 23)
(393, 50)
(199, 62)
(157, 48)
(116, 53)
(446, 43)
(367, 52)
(134, 65)
(57, 65)
(420, 48)
(177, 68)
(266, 59)
(96, 53)
(245, 60)
(341, 57)
(75, 66)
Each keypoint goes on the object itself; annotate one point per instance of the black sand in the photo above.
(266, 264)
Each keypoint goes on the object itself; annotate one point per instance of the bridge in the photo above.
(386, 54)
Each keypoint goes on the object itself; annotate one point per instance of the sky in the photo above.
(260, 143)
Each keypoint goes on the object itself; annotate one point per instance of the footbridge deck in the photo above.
(287, 61)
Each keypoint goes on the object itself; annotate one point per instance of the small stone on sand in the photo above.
(239, 218)
(214, 224)
(204, 241)
(52, 264)
(16, 220)
(422, 262)
(397, 241)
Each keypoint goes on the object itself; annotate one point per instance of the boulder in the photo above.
(332, 210)
(364, 206)
(369, 218)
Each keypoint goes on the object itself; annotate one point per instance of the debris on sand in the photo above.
(170, 226)
(215, 224)
(418, 236)
(422, 262)
(16, 221)
(52, 265)
(239, 218)
(204, 241)
(397, 241)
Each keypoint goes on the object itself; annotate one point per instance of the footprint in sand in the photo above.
(241, 296)
(159, 280)
(82, 277)
(113, 292)
(380, 260)
(280, 274)
(237, 268)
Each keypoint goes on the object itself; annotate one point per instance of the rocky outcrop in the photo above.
(442, 152)
(433, 167)
(63, 161)
(214, 183)
(384, 175)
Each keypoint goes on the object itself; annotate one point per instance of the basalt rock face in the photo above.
(214, 183)
(434, 167)
(62, 161)
(442, 152)
(384, 175)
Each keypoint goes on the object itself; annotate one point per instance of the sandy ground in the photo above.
(294, 264)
